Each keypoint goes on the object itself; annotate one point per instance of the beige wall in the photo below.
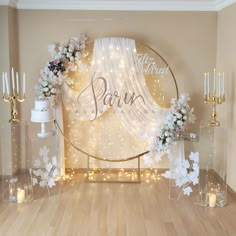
(8, 59)
(226, 61)
(187, 40)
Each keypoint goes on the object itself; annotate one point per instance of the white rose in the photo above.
(45, 83)
(166, 133)
(45, 89)
(183, 110)
(168, 140)
(185, 117)
(71, 49)
(178, 115)
(53, 90)
(179, 122)
(71, 58)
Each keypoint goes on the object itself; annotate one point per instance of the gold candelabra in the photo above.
(217, 97)
(13, 99)
(214, 100)
(13, 96)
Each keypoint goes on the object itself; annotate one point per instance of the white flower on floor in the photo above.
(47, 175)
(185, 172)
(187, 191)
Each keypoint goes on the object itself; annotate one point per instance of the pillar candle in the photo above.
(212, 200)
(20, 195)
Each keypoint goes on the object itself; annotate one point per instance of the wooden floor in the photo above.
(102, 209)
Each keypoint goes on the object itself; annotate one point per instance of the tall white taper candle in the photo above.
(24, 83)
(214, 82)
(7, 84)
(17, 83)
(3, 84)
(219, 84)
(205, 85)
(223, 84)
(13, 81)
(208, 85)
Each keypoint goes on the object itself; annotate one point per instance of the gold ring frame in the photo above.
(121, 158)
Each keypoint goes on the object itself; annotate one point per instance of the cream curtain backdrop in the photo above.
(115, 75)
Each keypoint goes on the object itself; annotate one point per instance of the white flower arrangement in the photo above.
(65, 58)
(185, 173)
(46, 176)
(179, 116)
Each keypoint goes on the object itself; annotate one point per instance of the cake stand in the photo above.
(43, 133)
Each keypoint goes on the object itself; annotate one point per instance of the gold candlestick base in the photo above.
(214, 100)
(214, 123)
(12, 100)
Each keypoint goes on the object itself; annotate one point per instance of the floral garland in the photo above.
(65, 58)
(179, 117)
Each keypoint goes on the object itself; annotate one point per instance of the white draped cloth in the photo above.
(117, 80)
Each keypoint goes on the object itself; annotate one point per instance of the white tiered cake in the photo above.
(42, 111)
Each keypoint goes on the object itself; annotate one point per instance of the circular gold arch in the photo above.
(127, 158)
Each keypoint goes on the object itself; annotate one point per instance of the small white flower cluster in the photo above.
(185, 172)
(71, 52)
(179, 116)
(49, 82)
(65, 58)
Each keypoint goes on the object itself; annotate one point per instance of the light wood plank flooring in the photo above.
(106, 209)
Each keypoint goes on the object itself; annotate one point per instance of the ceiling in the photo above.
(132, 5)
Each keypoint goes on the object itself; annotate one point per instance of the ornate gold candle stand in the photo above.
(13, 99)
(214, 100)
(12, 94)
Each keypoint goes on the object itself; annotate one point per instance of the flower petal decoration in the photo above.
(51, 183)
(49, 167)
(194, 156)
(48, 174)
(43, 152)
(187, 191)
(185, 172)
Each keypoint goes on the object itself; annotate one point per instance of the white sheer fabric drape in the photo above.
(117, 78)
